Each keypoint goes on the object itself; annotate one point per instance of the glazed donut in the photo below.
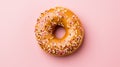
(46, 25)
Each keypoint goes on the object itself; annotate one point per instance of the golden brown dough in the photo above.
(46, 24)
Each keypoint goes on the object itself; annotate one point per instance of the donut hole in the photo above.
(59, 32)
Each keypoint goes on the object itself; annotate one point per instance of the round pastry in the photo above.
(46, 25)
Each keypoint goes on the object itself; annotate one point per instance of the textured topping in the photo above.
(46, 25)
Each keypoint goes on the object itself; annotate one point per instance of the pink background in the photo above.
(19, 48)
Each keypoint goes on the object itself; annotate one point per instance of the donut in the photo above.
(46, 25)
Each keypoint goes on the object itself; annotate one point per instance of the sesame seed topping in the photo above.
(44, 31)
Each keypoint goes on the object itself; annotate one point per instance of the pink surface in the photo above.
(19, 48)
